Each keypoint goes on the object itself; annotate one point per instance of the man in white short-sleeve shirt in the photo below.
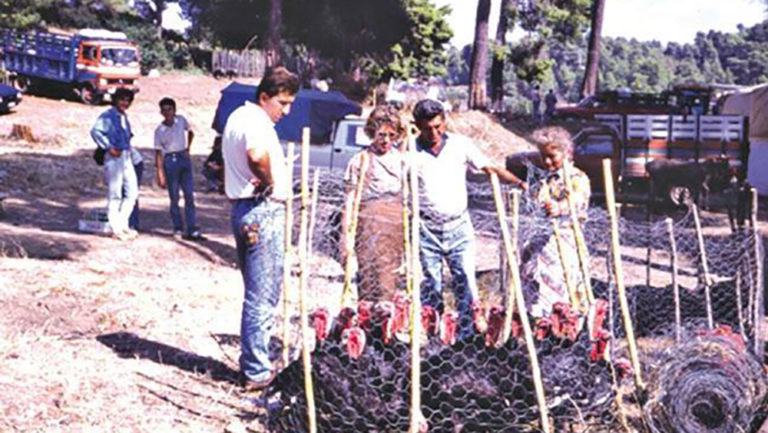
(173, 167)
(441, 161)
(255, 181)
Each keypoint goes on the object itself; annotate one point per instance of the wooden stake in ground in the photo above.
(675, 286)
(704, 267)
(313, 213)
(519, 299)
(510, 259)
(417, 418)
(759, 277)
(407, 250)
(303, 282)
(288, 264)
(572, 292)
(610, 199)
(578, 235)
(739, 305)
(351, 234)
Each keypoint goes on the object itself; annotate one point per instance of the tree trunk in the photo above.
(159, 8)
(497, 67)
(274, 33)
(478, 98)
(589, 85)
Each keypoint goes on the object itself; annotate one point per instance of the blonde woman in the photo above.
(379, 237)
(542, 271)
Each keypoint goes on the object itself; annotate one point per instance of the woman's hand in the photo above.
(115, 152)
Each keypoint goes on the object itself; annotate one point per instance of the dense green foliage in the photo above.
(401, 38)
(107, 14)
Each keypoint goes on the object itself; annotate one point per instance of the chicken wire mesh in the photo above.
(359, 307)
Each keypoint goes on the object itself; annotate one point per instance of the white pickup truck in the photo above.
(347, 139)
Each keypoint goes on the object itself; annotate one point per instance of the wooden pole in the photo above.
(407, 250)
(417, 417)
(572, 293)
(675, 286)
(740, 305)
(578, 236)
(610, 199)
(313, 214)
(759, 274)
(511, 259)
(519, 299)
(303, 280)
(704, 267)
(288, 264)
(352, 231)
(514, 210)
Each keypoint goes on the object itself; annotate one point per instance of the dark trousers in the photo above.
(133, 221)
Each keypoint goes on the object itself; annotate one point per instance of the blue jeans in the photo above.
(133, 220)
(178, 173)
(454, 241)
(259, 235)
(122, 189)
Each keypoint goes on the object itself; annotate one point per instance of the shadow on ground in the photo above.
(129, 345)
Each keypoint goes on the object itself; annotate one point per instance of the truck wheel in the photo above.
(89, 96)
(680, 196)
(21, 84)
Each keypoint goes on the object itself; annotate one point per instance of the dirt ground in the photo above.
(98, 335)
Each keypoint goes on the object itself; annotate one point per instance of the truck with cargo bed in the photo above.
(93, 63)
(631, 141)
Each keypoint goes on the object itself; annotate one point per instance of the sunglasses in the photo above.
(389, 135)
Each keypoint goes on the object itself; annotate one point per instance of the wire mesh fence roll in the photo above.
(478, 382)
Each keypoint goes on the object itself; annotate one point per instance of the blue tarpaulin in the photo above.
(312, 108)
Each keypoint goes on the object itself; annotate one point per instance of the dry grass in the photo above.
(102, 336)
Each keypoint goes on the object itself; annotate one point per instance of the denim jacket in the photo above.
(108, 131)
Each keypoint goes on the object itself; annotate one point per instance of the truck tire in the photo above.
(680, 195)
(22, 84)
(89, 96)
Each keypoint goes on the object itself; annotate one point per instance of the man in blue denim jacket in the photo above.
(112, 132)
(256, 183)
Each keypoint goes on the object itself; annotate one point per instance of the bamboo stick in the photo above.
(303, 282)
(351, 217)
(675, 286)
(704, 267)
(578, 235)
(313, 214)
(572, 293)
(511, 259)
(610, 199)
(759, 271)
(519, 299)
(407, 250)
(417, 417)
(288, 261)
(514, 211)
(739, 305)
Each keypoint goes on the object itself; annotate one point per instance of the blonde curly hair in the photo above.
(555, 136)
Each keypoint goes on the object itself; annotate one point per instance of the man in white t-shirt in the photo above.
(256, 183)
(173, 167)
(446, 233)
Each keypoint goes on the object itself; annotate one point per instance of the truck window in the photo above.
(595, 144)
(89, 52)
(356, 136)
(118, 56)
